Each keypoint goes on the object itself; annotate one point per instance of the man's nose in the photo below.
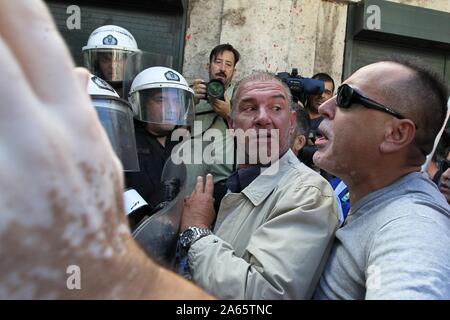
(263, 118)
(172, 111)
(174, 104)
(328, 108)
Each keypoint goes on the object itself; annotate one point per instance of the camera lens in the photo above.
(215, 89)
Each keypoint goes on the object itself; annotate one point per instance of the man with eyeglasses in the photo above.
(375, 136)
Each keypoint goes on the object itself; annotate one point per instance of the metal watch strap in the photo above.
(192, 234)
(202, 232)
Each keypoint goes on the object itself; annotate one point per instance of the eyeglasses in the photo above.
(348, 95)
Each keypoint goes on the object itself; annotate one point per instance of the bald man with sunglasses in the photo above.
(375, 136)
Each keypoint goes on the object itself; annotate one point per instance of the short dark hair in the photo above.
(322, 76)
(422, 98)
(303, 121)
(224, 47)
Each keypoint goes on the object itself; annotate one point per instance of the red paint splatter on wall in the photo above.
(188, 37)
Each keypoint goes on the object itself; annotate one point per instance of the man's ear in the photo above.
(398, 135)
(293, 122)
(301, 141)
(207, 66)
(298, 144)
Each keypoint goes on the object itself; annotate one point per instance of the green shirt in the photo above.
(211, 120)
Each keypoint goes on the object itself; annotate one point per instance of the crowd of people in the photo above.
(358, 220)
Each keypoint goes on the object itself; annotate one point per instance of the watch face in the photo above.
(186, 237)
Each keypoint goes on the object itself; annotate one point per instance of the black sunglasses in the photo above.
(348, 95)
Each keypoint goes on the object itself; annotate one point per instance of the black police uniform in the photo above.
(152, 157)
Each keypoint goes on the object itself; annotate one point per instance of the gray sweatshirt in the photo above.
(395, 244)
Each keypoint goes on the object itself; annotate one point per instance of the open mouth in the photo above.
(321, 138)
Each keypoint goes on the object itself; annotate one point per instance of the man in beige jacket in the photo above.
(275, 225)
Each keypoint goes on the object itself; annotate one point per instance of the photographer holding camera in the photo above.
(221, 67)
(212, 108)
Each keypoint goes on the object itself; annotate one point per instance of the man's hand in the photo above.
(222, 108)
(61, 188)
(198, 209)
(199, 88)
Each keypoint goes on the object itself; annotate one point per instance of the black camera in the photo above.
(300, 86)
(215, 89)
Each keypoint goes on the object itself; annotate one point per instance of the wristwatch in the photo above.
(192, 234)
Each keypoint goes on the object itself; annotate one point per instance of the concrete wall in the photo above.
(274, 35)
(271, 35)
(203, 32)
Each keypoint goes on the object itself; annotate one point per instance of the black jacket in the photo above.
(152, 157)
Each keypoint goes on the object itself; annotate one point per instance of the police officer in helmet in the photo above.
(161, 101)
(106, 53)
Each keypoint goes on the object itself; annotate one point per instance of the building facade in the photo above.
(333, 36)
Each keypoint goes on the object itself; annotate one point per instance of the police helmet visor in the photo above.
(116, 118)
(172, 106)
(107, 64)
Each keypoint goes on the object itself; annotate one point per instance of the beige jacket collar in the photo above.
(265, 183)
